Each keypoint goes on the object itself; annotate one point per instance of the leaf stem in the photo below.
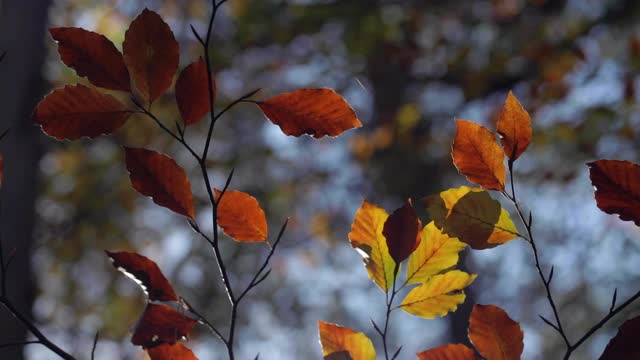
(389, 301)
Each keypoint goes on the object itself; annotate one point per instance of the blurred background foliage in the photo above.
(408, 68)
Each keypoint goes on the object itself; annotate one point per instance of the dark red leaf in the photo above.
(161, 324)
(617, 186)
(401, 231)
(171, 352)
(146, 273)
(192, 92)
(625, 344)
(448, 352)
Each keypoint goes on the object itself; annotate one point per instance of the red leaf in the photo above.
(494, 334)
(401, 231)
(192, 92)
(617, 186)
(625, 344)
(146, 273)
(448, 352)
(151, 53)
(241, 217)
(315, 112)
(171, 352)
(159, 176)
(161, 324)
(92, 55)
(72, 112)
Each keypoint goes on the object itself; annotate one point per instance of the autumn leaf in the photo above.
(161, 324)
(75, 111)
(92, 55)
(338, 339)
(146, 273)
(437, 296)
(401, 231)
(159, 176)
(315, 112)
(241, 217)
(448, 352)
(478, 157)
(625, 344)
(171, 352)
(494, 334)
(514, 128)
(366, 237)
(192, 92)
(617, 185)
(437, 252)
(151, 54)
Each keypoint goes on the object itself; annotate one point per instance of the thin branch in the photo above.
(19, 343)
(204, 321)
(95, 345)
(226, 186)
(383, 333)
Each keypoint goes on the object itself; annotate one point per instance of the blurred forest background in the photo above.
(408, 68)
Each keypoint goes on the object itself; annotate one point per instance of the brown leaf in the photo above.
(161, 324)
(514, 127)
(146, 273)
(478, 157)
(151, 54)
(337, 340)
(171, 352)
(315, 112)
(494, 334)
(617, 185)
(401, 231)
(241, 217)
(192, 92)
(448, 352)
(72, 112)
(92, 55)
(625, 344)
(159, 176)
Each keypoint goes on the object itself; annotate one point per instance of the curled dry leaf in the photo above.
(146, 273)
(617, 185)
(625, 344)
(240, 216)
(478, 157)
(159, 176)
(92, 55)
(338, 339)
(439, 295)
(151, 54)
(494, 334)
(171, 352)
(315, 112)
(192, 92)
(448, 352)
(72, 112)
(161, 324)
(514, 127)
(401, 231)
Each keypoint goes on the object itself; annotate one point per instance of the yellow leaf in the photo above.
(438, 295)
(366, 237)
(337, 339)
(436, 252)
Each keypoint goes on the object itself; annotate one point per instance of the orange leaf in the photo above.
(171, 352)
(159, 176)
(336, 340)
(146, 273)
(315, 112)
(617, 186)
(241, 217)
(494, 334)
(92, 55)
(625, 344)
(151, 53)
(514, 127)
(401, 231)
(192, 92)
(161, 324)
(477, 156)
(72, 112)
(448, 352)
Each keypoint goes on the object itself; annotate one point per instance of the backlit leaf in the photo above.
(159, 176)
(436, 252)
(92, 55)
(439, 295)
(338, 339)
(401, 231)
(625, 344)
(175, 351)
(448, 352)
(241, 217)
(161, 324)
(315, 112)
(514, 127)
(617, 185)
(151, 54)
(146, 273)
(75, 111)
(478, 157)
(494, 334)
(366, 237)
(192, 92)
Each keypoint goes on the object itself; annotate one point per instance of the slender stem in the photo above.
(383, 333)
(19, 343)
